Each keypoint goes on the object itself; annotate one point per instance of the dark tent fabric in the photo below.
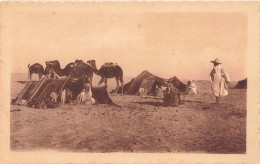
(34, 93)
(27, 91)
(178, 84)
(148, 82)
(136, 82)
(149, 85)
(241, 84)
(133, 86)
(46, 88)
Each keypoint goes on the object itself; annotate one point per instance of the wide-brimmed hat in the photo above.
(216, 61)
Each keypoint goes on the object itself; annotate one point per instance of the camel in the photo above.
(37, 69)
(80, 68)
(56, 66)
(74, 70)
(108, 70)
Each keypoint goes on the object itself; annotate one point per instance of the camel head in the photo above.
(48, 71)
(93, 65)
(50, 65)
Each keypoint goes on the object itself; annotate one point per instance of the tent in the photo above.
(178, 84)
(148, 83)
(241, 84)
(36, 92)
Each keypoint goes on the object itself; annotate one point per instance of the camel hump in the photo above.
(110, 64)
(89, 64)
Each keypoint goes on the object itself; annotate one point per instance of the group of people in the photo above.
(84, 96)
(219, 79)
(87, 95)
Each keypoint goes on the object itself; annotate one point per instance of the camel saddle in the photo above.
(110, 64)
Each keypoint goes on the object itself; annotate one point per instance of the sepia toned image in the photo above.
(121, 80)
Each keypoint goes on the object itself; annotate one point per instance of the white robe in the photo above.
(218, 79)
(86, 97)
(193, 88)
(63, 95)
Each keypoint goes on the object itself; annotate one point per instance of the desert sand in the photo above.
(137, 124)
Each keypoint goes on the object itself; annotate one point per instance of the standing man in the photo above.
(218, 79)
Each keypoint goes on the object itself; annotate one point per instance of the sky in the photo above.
(167, 44)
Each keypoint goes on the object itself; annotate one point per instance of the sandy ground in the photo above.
(136, 125)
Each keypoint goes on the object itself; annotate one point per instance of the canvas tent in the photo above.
(178, 84)
(36, 92)
(148, 83)
(241, 84)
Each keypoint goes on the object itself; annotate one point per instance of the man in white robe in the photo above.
(218, 79)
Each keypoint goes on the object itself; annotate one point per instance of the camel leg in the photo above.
(90, 80)
(122, 85)
(101, 81)
(117, 84)
(29, 76)
(105, 81)
(40, 76)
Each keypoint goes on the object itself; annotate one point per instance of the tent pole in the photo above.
(63, 85)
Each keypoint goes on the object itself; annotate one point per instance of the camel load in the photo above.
(109, 64)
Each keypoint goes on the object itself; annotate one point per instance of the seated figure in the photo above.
(172, 96)
(191, 88)
(85, 96)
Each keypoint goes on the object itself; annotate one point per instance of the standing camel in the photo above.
(37, 69)
(55, 65)
(74, 70)
(108, 70)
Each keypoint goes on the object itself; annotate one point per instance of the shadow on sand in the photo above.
(157, 104)
(162, 104)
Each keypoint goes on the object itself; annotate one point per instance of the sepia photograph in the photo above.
(129, 78)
